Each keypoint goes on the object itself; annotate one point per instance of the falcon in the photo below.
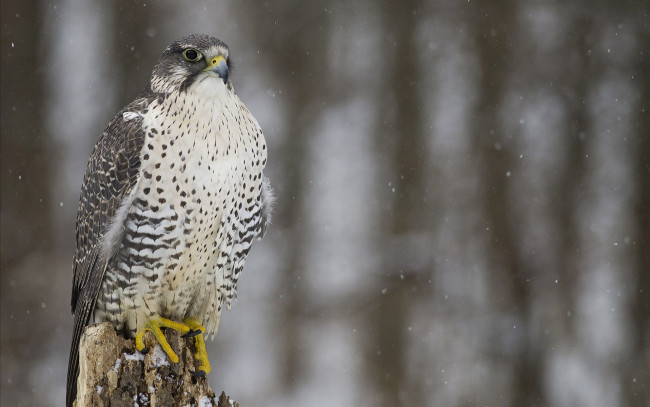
(172, 198)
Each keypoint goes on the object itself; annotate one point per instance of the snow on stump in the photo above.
(113, 373)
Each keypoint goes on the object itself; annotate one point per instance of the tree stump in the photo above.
(113, 373)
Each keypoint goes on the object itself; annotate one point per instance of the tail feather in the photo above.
(81, 319)
(84, 308)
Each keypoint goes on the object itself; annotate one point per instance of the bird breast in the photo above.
(201, 176)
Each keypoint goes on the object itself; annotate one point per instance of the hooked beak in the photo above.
(218, 67)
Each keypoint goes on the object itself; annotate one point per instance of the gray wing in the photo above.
(111, 173)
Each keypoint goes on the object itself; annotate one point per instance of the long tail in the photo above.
(83, 310)
(81, 319)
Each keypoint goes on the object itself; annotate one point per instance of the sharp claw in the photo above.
(153, 325)
(145, 350)
(192, 333)
(197, 373)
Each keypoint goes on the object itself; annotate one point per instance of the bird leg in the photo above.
(201, 355)
(154, 325)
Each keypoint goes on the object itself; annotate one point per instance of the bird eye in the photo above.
(192, 55)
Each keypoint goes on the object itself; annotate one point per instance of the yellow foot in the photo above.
(154, 325)
(199, 343)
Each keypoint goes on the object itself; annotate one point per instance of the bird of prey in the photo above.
(172, 198)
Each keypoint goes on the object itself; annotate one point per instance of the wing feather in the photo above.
(110, 176)
(268, 200)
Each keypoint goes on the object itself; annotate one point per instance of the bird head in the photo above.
(192, 61)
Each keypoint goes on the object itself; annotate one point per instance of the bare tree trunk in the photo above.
(130, 42)
(295, 65)
(571, 188)
(637, 380)
(113, 373)
(494, 27)
(25, 156)
(404, 144)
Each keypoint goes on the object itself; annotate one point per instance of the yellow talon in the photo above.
(194, 324)
(199, 343)
(154, 326)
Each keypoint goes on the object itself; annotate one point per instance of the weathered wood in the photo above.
(113, 373)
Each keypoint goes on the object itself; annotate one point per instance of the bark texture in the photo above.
(113, 373)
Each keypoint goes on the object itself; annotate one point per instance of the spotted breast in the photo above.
(189, 221)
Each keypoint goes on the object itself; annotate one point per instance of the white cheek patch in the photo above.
(170, 82)
(178, 74)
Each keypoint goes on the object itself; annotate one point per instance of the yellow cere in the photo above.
(216, 60)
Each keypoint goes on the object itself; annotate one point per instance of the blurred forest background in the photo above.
(463, 213)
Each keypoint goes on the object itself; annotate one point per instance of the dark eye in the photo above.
(192, 55)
